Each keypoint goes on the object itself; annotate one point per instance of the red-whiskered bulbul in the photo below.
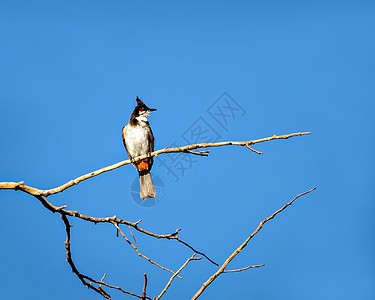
(139, 140)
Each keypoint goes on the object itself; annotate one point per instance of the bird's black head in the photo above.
(141, 110)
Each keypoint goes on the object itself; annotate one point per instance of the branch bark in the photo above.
(144, 297)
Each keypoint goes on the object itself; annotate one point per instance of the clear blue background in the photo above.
(70, 72)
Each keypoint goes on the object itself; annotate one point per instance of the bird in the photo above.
(139, 140)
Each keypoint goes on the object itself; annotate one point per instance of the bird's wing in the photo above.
(123, 140)
(152, 140)
(151, 146)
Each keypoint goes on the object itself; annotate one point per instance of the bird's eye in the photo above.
(141, 110)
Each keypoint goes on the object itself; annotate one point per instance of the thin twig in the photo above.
(38, 192)
(201, 153)
(100, 285)
(243, 245)
(135, 241)
(175, 274)
(196, 251)
(243, 269)
(256, 151)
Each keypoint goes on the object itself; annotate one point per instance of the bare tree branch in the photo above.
(136, 249)
(186, 149)
(175, 274)
(76, 214)
(243, 245)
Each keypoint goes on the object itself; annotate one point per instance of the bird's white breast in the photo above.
(136, 139)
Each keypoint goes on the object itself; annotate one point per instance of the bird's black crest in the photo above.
(139, 101)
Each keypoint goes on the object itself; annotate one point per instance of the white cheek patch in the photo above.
(145, 114)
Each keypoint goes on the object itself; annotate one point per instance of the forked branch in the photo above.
(243, 245)
(86, 280)
(176, 274)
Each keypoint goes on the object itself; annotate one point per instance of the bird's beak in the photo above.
(153, 109)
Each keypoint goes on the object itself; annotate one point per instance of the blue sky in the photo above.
(70, 72)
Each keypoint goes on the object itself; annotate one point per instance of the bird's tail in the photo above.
(147, 186)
